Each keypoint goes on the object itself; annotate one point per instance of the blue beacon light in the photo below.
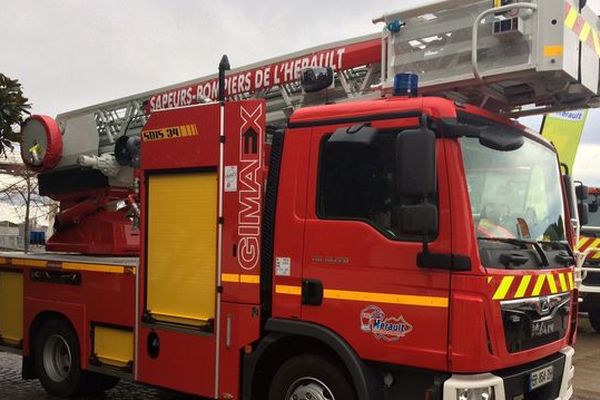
(406, 85)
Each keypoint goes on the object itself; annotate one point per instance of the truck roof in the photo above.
(383, 106)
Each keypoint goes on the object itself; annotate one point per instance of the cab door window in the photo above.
(359, 184)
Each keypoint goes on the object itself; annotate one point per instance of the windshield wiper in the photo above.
(523, 243)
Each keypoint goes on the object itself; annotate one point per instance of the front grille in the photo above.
(592, 279)
(534, 322)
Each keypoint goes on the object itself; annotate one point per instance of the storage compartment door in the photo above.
(113, 346)
(11, 308)
(182, 248)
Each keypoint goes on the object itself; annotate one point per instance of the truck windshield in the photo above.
(514, 194)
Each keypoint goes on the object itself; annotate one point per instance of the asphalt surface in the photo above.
(587, 362)
(587, 377)
(12, 387)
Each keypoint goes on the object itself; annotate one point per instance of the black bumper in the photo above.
(516, 380)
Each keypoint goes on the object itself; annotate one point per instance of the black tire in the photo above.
(57, 363)
(311, 374)
(594, 316)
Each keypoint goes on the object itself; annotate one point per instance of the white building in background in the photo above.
(10, 235)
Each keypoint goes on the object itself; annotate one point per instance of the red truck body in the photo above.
(239, 271)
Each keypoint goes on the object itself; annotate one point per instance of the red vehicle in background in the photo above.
(589, 242)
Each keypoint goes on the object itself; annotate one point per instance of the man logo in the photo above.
(544, 306)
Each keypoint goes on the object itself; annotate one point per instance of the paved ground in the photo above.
(12, 387)
(587, 376)
(587, 362)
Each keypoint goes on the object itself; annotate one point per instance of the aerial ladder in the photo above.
(514, 58)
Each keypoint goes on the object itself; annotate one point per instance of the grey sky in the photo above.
(70, 54)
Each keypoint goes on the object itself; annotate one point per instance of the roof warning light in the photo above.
(406, 85)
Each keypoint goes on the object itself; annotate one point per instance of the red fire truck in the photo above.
(588, 245)
(329, 237)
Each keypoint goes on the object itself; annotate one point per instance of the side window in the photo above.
(359, 184)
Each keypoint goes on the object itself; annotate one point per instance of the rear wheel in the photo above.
(594, 316)
(57, 355)
(310, 377)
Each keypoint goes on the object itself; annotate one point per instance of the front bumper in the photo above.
(512, 384)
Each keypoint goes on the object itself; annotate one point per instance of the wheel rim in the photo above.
(57, 358)
(309, 388)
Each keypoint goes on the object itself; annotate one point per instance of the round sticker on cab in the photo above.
(373, 320)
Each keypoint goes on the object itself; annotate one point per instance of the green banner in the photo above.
(564, 129)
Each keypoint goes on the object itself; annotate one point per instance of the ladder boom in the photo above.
(510, 57)
(356, 61)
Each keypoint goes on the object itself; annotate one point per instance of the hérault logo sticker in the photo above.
(390, 329)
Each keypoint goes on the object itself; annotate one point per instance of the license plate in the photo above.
(541, 377)
(542, 328)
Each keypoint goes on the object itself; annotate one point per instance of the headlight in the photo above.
(476, 394)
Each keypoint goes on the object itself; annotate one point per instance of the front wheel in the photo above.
(310, 377)
(56, 357)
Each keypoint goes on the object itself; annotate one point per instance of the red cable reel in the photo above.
(41, 143)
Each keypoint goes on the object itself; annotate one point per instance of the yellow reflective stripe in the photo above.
(287, 289)
(563, 282)
(389, 298)
(594, 244)
(235, 278)
(538, 285)
(596, 41)
(240, 278)
(503, 288)
(595, 255)
(29, 263)
(489, 279)
(571, 283)
(582, 241)
(523, 286)
(404, 299)
(571, 18)
(585, 32)
(552, 283)
(553, 51)
(116, 269)
(244, 278)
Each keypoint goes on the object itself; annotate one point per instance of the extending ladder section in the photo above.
(515, 58)
(508, 56)
(356, 62)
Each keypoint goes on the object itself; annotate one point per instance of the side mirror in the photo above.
(584, 214)
(420, 219)
(569, 186)
(501, 138)
(416, 181)
(582, 192)
(416, 164)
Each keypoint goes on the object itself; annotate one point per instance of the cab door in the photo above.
(360, 274)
